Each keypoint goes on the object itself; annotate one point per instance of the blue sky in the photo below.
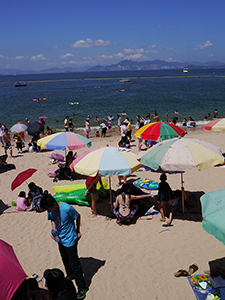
(43, 34)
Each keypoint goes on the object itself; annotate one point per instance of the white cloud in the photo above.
(168, 48)
(38, 57)
(54, 47)
(136, 56)
(19, 57)
(90, 43)
(170, 60)
(127, 51)
(1, 56)
(210, 55)
(206, 45)
(73, 62)
(67, 55)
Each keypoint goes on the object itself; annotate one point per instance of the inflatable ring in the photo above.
(146, 184)
(194, 280)
(202, 277)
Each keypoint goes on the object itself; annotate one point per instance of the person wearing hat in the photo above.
(63, 218)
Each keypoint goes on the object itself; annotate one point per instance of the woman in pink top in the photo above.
(87, 128)
(91, 183)
(22, 202)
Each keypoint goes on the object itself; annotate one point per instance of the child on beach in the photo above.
(22, 203)
(164, 195)
(17, 138)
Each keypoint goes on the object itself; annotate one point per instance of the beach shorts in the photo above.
(133, 210)
(8, 146)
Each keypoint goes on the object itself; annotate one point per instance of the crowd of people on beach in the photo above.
(65, 219)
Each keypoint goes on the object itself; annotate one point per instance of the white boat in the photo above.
(125, 80)
(185, 70)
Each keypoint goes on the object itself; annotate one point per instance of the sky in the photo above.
(43, 34)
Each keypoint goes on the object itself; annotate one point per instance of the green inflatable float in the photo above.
(77, 197)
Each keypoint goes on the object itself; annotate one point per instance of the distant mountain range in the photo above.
(124, 65)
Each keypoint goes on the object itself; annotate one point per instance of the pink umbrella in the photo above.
(21, 177)
(11, 272)
(43, 117)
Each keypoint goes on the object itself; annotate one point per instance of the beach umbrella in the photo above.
(102, 120)
(61, 140)
(34, 128)
(213, 210)
(215, 125)
(181, 154)
(18, 128)
(107, 161)
(159, 131)
(21, 177)
(11, 272)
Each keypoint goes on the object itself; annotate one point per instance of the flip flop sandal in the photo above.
(181, 273)
(192, 269)
(118, 222)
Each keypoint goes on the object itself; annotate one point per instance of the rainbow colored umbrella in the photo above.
(61, 140)
(182, 154)
(215, 125)
(159, 130)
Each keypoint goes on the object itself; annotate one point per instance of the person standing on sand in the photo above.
(62, 217)
(119, 122)
(2, 130)
(66, 123)
(164, 195)
(91, 183)
(6, 140)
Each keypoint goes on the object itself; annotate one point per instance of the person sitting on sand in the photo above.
(176, 202)
(164, 195)
(91, 183)
(22, 203)
(35, 292)
(60, 287)
(122, 207)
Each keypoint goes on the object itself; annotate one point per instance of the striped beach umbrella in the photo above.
(63, 140)
(182, 154)
(215, 125)
(159, 131)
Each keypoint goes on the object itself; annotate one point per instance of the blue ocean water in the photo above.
(194, 94)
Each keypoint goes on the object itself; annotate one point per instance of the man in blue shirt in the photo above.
(62, 217)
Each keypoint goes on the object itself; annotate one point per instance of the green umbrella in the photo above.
(213, 211)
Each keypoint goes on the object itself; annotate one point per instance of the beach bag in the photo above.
(37, 196)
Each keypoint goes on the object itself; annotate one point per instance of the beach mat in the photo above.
(204, 285)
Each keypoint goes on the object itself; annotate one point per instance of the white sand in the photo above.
(127, 262)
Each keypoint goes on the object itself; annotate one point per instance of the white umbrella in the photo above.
(18, 128)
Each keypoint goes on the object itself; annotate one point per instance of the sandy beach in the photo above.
(128, 262)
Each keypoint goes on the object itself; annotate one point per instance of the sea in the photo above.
(194, 94)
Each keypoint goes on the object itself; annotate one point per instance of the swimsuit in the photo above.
(130, 215)
(7, 146)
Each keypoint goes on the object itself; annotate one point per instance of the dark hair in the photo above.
(163, 176)
(47, 201)
(21, 292)
(32, 286)
(22, 194)
(55, 280)
(32, 186)
(177, 193)
(125, 188)
(70, 153)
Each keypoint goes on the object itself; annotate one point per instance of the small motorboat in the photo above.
(125, 80)
(185, 70)
(18, 84)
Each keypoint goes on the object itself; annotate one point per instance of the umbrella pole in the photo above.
(110, 192)
(182, 193)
